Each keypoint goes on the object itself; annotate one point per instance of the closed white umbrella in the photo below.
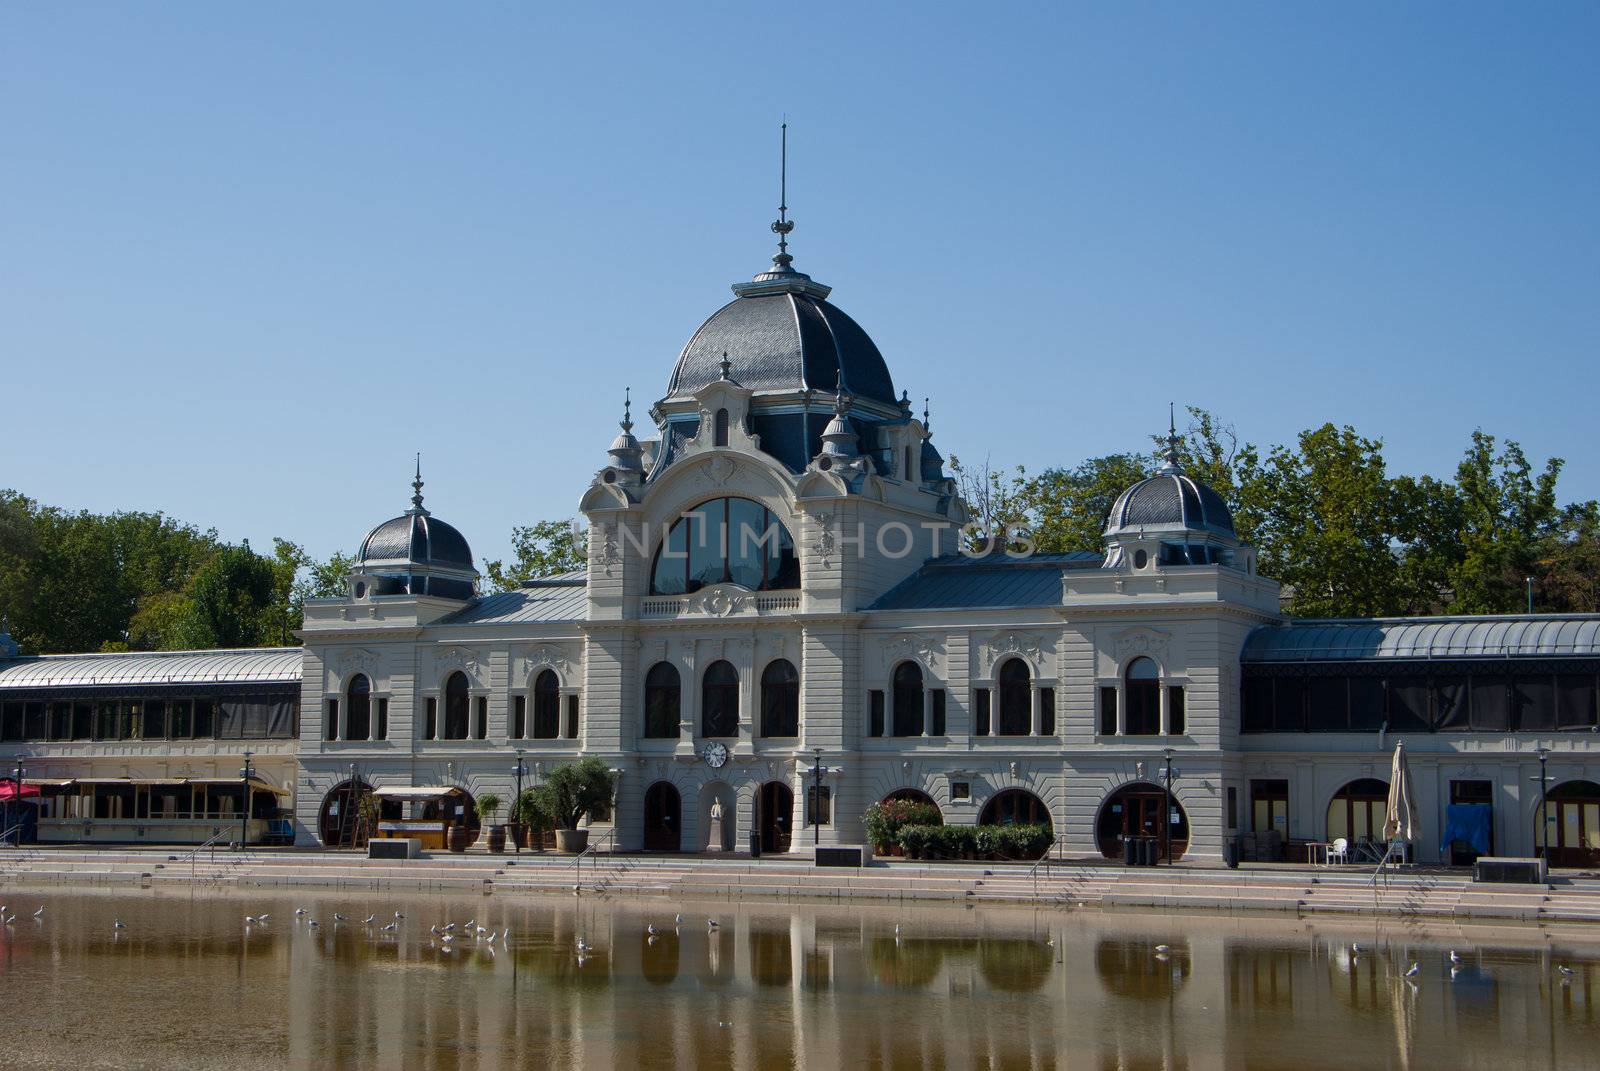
(1400, 820)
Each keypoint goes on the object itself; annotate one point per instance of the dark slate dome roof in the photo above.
(781, 334)
(1170, 499)
(417, 537)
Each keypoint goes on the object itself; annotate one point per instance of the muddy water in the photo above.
(188, 984)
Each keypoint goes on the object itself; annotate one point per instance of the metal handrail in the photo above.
(5, 837)
(591, 847)
(211, 842)
(1395, 851)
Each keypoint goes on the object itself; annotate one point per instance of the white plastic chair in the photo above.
(1339, 851)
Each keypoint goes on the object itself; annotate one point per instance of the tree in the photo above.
(573, 790)
(231, 602)
(1066, 509)
(1509, 523)
(1570, 581)
(544, 548)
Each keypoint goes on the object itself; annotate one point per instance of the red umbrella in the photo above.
(8, 790)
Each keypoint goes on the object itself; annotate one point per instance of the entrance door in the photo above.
(337, 822)
(1136, 812)
(1573, 831)
(777, 815)
(663, 813)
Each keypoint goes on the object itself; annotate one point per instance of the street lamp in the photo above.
(516, 804)
(816, 800)
(1166, 811)
(244, 812)
(1544, 804)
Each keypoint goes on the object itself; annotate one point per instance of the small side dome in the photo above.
(415, 554)
(1170, 500)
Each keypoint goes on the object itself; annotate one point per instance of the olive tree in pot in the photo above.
(488, 807)
(569, 793)
(531, 821)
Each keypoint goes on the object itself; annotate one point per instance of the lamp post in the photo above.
(244, 812)
(1166, 811)
(816, 800)
(16, 833)
(516, 804)
(1544, 804)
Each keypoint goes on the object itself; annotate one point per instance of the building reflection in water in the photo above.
(780, 986)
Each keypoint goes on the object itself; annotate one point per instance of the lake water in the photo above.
(188, 984)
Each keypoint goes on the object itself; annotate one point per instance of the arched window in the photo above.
(1014, 807)
(780, 699)
(546, 706)
(1571, 834)
(457, 699)
(719, 701)
(725, 541)
(908, 699)
(1356, 813)
(661, 702)
(722, 427)
(1142, 693)
(1016, 700)
(358, 708)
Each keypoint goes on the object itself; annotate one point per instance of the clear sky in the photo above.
(252, 257)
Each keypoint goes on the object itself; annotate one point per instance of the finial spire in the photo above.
(927, 424)
(1169, 457)
(416, 488)
(726, 366)
(783, 224)
(627, 408)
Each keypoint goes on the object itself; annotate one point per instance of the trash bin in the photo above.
(1130, 851)
(755, 844)
(1152, 851)
(1144, 851)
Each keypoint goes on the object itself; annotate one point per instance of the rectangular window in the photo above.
(155, 719)
(1575, 701)
(1408, 705)
(1491, 704)
(1536, 702)
(82, 720)
(383, 717)
(33, 727)
(819, 805)
(1368, 704)
(961, 791)
(11, 722)
(875, 703)
(572, 717)
(180, 719)
(1269, 806)
(130, 721)
(61, 721)
(519, 717)
(1289, 705)
(330, 724)
(105, 720)
(481, 729)
(1233, 807)
(980, 702)
(938, 712)
(431, 729)
(1176, 725)
(1108, 712)
(1328, 705)
(205, 718)
(1255, 705)
(1047, 712)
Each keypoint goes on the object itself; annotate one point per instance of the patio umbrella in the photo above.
(8, 790)
(1400, 820)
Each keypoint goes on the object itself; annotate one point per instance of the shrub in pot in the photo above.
(569, 793)
(883, 821)
(488, 807)
(916, 840)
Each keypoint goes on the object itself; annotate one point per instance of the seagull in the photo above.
(249, 920)
(263, 917)
(118, 925)
(299, 911)
(1455, 957)
(398, 916)
(712, 924)
(39, 913)
(391, 927)
(449, 926)
(338, 917)
(1565, 970)
(1355, 949)
(1163, 949)
(897, 929)
(447, 938)
(1050, 941)
(314, 924)
(650, 929)
(583, 946)
(505, 936)
(470, 923)
(677, 920)
(1415, 970)
(370, 919)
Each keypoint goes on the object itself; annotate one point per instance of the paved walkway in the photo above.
(1066, 884)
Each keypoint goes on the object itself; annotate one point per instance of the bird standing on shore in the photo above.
(118, 925)
(1455, 957)
(39, 913)
(1414, 970)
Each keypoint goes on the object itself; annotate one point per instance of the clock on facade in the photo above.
(715, 755)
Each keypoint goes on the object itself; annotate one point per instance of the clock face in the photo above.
(715, 755)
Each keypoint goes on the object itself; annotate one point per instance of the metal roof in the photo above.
(249, 666)
(1542, 635)
(960, 582)
(547, 601)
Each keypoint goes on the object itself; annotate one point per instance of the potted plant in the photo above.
(570, 793)
(531, 821)
(488, 807)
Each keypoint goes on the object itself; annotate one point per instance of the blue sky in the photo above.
(256, 255)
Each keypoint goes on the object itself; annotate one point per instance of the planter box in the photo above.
(1503, 869)
(845, 855)
(394, 848)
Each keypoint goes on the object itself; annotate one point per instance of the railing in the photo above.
(212, 842)
(14, 831)
(1395, 853)
(676, 605)
(591, 848)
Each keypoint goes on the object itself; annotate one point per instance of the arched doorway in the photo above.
(1135, 811)
(1572, 828)
(663, 818)
(1014, 807)
(1356, 811)
(775, 816)
(337, 822)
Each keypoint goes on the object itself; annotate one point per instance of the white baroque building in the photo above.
(774, 585)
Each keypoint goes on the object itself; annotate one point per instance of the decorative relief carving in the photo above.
(457, 658)
(719, 470)
(1002, 644)
(610, 552)
(719, 601)
(1140, 641)
(543, 657)
(823, 547)
(357, 659)
(928, 650)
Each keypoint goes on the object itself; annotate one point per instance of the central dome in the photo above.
(781, 333)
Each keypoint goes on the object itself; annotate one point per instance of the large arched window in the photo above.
(457, 700)
(546, 706)
(1016, 700)
(719, 701)
(725, 541)
(1142, 693)
(908, 699)
(1014, 807)
(662, 695)
(358, 708)
(780, 699)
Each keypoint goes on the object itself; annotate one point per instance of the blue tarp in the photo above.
(1468, 823)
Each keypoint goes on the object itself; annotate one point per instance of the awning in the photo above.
(50, 782)
(233, 782)
(414, 792)
(8, 790)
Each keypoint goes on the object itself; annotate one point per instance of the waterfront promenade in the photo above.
(1422, 893)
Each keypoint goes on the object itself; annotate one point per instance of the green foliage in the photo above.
(989, 842)
(487, 806)
(1066, 508)
(883, 821)
(541, 549)
(573, 790)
